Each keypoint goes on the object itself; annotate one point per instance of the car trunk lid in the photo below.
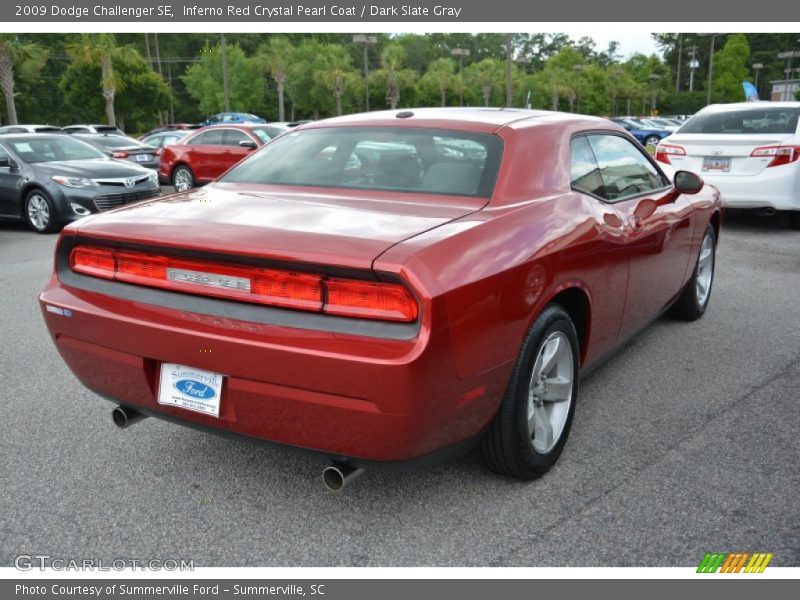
(341, 228)
(726, 155)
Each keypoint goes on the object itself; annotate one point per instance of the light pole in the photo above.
(680, 58)
(757, 68)
(460, 53)
(653, 79)
(710, 66)
(361, 38)
(225, 91)
(579, 70)
(693, 64)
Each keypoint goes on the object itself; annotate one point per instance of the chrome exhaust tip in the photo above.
(125, 417)
(336, 477)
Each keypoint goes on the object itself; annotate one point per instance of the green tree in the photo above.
(26, 59)
(137, 109)
(392, 75)
(486, 76)
(102, 49)
(336, 70)
(730, 69)
(440, 77)
(275, 58)
(245, 80)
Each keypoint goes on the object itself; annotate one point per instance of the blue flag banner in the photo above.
(750, 91)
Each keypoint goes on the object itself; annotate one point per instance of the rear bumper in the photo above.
(344, 396)
(777, 187)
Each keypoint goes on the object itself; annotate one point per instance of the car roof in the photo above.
(749, 105)
(486, 120)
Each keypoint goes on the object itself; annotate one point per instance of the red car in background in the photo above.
(388, 287)
(207, 153)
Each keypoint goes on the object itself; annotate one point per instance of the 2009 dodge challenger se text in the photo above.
(387, 288)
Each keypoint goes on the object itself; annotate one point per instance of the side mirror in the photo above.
(248, 144)
(7, 162)
(687, 182)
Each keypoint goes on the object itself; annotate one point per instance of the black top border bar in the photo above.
(381, 11)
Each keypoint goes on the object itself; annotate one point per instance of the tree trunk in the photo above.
(338, 105)
(487, 93)
(443, 93)
(110, 117)
(281, 108)
(628, 106)
(7, 85)
(554, 101)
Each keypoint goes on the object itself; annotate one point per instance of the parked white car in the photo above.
(749, 151)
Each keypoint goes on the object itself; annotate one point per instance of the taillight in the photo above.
(663, 152)
(98, 262)
(272, 287)
(781, 155)
(158, 152)
(119, 154)
(385, 301)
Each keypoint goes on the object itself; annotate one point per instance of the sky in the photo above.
(631, 41)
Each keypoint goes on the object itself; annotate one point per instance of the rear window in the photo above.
(749, 120)
(427, 161)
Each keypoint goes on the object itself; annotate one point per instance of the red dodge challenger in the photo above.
(387, 288)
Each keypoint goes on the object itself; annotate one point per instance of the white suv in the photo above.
(750, 151)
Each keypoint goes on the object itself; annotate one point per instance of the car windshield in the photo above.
(48, 149)
(426, 161)
(767, 119)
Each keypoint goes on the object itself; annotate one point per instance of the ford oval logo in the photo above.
(195, 389)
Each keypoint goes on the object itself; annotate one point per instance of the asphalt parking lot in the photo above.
(684, 443)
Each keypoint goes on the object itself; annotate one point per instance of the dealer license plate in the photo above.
(143, 157)
(190, 388)
(717, 163)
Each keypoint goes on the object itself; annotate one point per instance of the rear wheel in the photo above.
(794, 219)
(693, 301)
(40, 214)
(182, 178)
(529, 431)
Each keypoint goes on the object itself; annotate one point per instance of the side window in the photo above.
(624, 169)
(233, 137)
(4, 154)
(208, 138)
(584, 172)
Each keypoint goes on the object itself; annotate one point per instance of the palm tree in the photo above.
(485, 75)
(101, 49)
(23, 58)
(552, 82)
(335, 71)
(392, 59)
(275, 58)
(441, 77)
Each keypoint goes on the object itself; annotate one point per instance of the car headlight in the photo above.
(74, 182)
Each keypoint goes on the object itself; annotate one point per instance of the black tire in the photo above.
(39, 212)
(183, 175)
(651, 141)
(508, 447)
(794, 219)
(689, 306)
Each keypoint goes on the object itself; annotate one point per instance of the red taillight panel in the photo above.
(119, 154)
(97, 262)
(663, 152)
(782, 155)
(385, 301)
(272, 287)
